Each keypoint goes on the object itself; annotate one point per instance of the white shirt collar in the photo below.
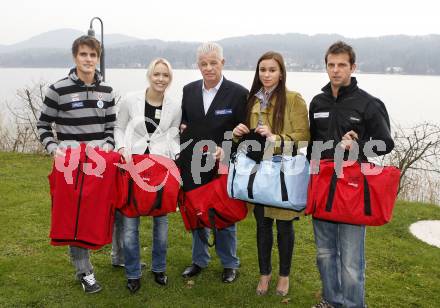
(217, 86)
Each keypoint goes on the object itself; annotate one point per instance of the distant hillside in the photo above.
(387, 54)
(60, 39)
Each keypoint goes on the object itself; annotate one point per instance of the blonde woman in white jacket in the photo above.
(147, 123)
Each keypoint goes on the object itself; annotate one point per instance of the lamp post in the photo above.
(91, 32)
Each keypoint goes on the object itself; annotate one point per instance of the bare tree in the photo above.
(25, 112)
(6, 135)
(417, 155)
(22, 134)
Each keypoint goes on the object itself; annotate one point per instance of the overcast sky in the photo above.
(197, 20)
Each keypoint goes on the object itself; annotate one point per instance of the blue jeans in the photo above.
(160, 244)
(118, 240)
(132, 255)
(131, 246)
(226, 247)
(341, 262)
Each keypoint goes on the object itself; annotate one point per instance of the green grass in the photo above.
(401, 271)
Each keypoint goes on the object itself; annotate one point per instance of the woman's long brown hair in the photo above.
(279, 92)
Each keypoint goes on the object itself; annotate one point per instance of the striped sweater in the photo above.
(81, 113)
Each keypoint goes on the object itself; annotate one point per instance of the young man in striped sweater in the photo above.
(82, 107)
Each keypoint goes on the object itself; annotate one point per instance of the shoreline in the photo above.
(235, 69)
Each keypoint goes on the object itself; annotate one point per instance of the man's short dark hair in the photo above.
(89, 41)
(341, 47)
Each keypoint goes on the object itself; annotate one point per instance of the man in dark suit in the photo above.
(218, 105)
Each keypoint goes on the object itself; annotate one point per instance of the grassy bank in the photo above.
(401, 271)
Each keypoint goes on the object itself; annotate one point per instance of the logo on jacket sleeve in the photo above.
(355, 119)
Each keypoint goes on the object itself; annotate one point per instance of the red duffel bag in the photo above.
(362, 194)
(210, 206)
(83, 194)
(151, 186)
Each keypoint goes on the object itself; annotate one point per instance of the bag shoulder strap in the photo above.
(211, 217)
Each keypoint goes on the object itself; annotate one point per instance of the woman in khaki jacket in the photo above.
(274, 112)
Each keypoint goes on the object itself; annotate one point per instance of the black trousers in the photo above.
(285, 240)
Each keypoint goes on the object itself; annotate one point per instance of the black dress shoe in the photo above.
(133, 285)
(229, 275)
(191, 271)
(160, 278)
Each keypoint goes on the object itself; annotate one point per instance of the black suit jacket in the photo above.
(227, 110)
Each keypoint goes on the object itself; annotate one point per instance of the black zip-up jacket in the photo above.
(353, 109)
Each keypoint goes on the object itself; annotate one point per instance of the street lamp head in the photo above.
(91, 32)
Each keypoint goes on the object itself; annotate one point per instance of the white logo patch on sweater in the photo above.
(77, 104)
(319, 115)
(100, 104)
(74, 97)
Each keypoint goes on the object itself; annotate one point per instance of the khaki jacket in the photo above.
(296, 128)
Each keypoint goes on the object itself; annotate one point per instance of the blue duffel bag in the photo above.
(279, 182)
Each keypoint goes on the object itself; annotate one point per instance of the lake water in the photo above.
(409, 99)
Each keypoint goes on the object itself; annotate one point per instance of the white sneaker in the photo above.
(89, 283)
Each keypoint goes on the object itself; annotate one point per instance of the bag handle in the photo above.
(212, 213)
(211, 217)
(282, 145)
(234, 172)
(182, 208)
(157, 204)
(131, 197)
(250, 186)
(331, 194)
(284, 195)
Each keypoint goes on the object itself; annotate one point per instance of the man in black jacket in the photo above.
(347, 118)
(212, 106)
